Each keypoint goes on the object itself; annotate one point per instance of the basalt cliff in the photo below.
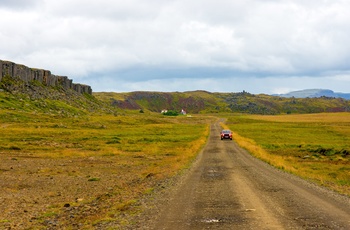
(27, 75)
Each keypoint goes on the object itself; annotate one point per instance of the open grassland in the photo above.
(87, 171)
(313, 146)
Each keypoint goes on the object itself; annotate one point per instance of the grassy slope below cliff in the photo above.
(34, 97)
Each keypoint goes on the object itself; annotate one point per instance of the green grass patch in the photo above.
(5, 221)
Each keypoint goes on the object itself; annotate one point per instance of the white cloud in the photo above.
(148, 41)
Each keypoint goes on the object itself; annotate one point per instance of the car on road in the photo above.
(226, 134)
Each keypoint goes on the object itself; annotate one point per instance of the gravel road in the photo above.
(228, 189)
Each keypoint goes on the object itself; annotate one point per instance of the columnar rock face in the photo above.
(27, 74)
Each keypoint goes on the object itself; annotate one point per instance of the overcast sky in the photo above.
(260, 46)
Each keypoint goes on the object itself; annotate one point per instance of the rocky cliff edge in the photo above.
(27, 74)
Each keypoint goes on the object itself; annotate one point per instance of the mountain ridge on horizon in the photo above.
(311, 93)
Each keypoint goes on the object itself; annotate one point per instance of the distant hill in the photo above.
(311, 93)
(207, 102)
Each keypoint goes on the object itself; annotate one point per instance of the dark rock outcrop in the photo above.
(26, 74)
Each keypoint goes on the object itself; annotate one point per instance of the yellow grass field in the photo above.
(49, 162)
(313, 146)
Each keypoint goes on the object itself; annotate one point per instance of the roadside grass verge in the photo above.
(313, 146)
(105, 159)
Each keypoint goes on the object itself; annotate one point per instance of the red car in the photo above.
(226, 134)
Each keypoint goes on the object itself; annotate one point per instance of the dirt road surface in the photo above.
(228, 189)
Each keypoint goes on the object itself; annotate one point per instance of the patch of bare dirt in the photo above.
(56, 193)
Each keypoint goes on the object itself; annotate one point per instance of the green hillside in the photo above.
(207, 102)
(194, 102)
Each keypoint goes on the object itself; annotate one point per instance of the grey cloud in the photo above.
(19, 4)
